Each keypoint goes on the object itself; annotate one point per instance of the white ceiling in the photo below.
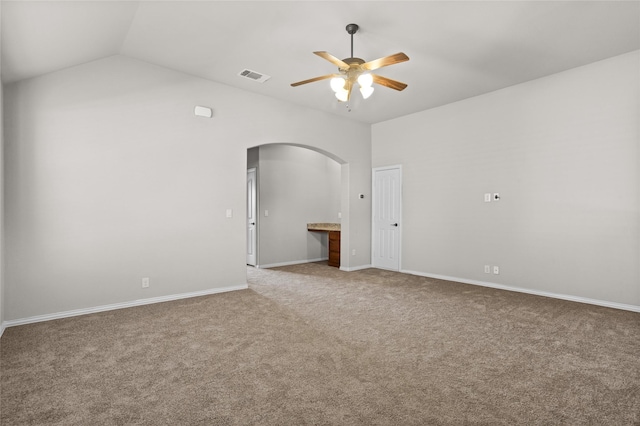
(457, 49)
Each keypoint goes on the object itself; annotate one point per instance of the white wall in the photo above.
(297, 186)
(111, 178)
(563, 152)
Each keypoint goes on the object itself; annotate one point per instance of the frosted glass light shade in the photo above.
(366, 91)
(337, 84)
(365, 80)
(342, 95)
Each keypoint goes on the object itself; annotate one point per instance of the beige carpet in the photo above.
(311, 345)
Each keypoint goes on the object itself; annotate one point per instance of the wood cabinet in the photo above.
(334, 248)
(333, 230)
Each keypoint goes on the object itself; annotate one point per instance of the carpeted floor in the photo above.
(312, 345)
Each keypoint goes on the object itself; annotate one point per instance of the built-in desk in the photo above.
(333, 229)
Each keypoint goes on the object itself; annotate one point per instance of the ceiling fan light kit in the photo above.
(355, 70)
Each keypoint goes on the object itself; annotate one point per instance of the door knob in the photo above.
(252, 223)
(394, 224)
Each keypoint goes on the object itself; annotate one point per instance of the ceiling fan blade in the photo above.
(383, 62)
(387, 82)
(329, 57)
(311, 80)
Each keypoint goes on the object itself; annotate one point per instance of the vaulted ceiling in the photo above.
(457, 49)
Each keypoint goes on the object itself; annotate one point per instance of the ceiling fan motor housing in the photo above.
(354, 63)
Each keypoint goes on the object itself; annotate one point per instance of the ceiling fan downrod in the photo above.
(352, 29)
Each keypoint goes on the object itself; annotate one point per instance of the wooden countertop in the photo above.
(323, 227)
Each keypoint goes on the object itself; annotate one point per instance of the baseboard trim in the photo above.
(322, 259)
(122, 305)
(293, 262)
(605, 303)
(355, 268)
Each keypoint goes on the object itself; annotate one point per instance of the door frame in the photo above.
(373, 204)
(255, 212)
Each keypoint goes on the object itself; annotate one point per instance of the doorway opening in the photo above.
(294, 185)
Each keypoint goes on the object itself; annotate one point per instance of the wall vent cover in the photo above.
(254, 75)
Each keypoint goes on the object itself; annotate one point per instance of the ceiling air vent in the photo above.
(253, 75)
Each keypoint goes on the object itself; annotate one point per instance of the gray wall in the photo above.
(563, 152)
(110, 178)
(253, 157)
(297, 186)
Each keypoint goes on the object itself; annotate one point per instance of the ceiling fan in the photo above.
(352, 70)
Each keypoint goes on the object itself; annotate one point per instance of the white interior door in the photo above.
(252, 212)
(387, 202)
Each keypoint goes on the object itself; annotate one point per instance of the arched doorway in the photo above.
(296, 185)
